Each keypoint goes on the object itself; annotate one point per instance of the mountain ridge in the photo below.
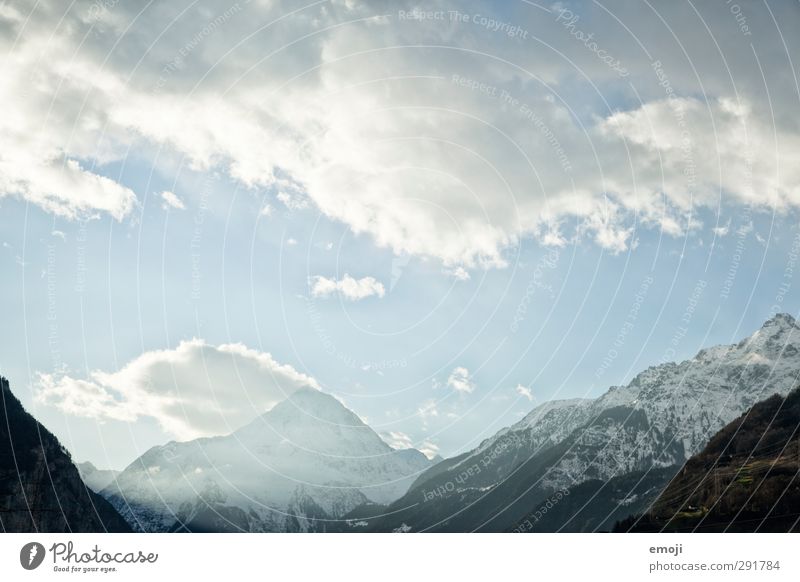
(300, 466)
(658, 420)
(745, 479)
(40, 488)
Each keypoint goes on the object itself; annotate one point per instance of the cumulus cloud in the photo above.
(460, 380)
(194, 390)
(171, 200)
(398, 440)
(399, 144)
(428, 409)
(348, 287)
(524, 391)
(459, 273)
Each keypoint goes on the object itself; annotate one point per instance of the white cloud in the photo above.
(722, 231)
(398, 440)
(460, 380)
(292, 201)
(428, 409)
(524, 391)
(429, 449)
(458, 273)
(333, 123)
(291, 242)
(171, 200)
(347, 287)
(50, 147)
(192, 391)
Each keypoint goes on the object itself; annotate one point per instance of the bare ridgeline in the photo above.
(708, 444)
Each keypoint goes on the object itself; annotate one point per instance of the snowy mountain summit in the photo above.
(300, 466)
(666, 413)
(655, 423)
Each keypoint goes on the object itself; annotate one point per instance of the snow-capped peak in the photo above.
(307, 461)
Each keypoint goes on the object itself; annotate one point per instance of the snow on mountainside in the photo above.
(307, 460)
(662, 417)
(668, 413)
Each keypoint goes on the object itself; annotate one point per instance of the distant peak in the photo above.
(310, 405)
(780, 319)
(311, 397)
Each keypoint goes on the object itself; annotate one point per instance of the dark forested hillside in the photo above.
(746, 479)
(40, 488)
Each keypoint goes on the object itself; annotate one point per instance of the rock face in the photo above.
(40, 488)
(744, 480)
(657, 422)
(300, 467)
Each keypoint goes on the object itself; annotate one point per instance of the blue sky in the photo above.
(114, 291)
(493, 276)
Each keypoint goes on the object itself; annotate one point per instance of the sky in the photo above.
(443, 217)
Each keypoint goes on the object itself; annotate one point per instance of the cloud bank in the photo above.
(440, 138)
(195, 390)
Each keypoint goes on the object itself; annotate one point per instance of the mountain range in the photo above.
(299, 467)
(311, 465)
(639, 434)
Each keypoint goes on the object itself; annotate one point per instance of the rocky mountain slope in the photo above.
(299, 467)
(746, 479)
(659, 420)
(40, 488)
